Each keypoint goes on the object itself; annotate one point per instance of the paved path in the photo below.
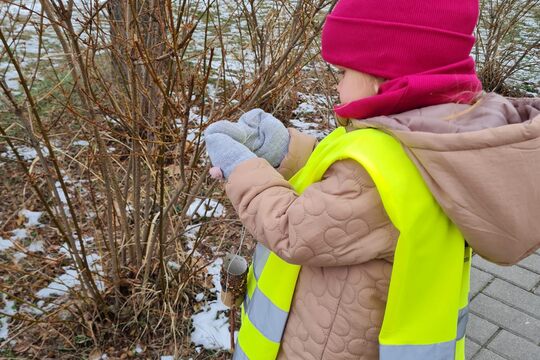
(505, 311)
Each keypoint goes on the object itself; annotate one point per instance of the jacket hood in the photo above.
(482, 163)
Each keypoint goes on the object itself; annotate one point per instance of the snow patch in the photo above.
(61, 192)
(192, 135)
(19, 234)
(305, 108)
(36, 246)
(61, 284)
(310, 128)
(26, 152)
(304, 125)
(5, 244)
(32, 217)
(18, 256)
(214, 269)
(9, 309)
(192, 231)
(32, 220)
(211, 325)
(27, 309)
(205, 208)
(173, 265)
(81, 143)
(70, 279)
(64, 248)
(195, 117)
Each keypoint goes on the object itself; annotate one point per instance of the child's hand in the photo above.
(216, 173)
(259, 131)
(225, 153)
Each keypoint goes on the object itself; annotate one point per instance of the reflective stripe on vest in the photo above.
(271, 283)
(426, 311)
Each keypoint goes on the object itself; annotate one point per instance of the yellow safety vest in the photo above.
(426, 312)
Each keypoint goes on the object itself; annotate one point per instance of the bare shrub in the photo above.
(137, 81)
(508, 43)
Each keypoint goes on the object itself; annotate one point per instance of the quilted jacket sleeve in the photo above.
(337, 221)
(300, 148)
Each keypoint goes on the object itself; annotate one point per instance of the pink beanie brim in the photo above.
(389, 49)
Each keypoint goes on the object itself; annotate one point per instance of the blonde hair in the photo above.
(475, 102)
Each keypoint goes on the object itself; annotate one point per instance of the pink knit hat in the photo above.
(422, 48)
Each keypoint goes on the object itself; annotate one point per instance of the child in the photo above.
(328, 267)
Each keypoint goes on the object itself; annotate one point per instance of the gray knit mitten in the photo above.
(259, 131)
(225, 152)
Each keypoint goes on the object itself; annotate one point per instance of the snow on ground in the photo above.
(32, 217)
(18, 256)
(214, 269)
(190, 233)
(196, 117)
(308, 116)
(70, 278)
(32, 220)
(173, 265)
(194, 120)
(211, 325)
(26, 152)
(61, 193)
(60, 285)
(5, 244)
(81, 143)
(205, 208)
(32, 310)
(19, 234)
(36, 246)
(64, 248)
(305, 108)
(192, 135)
(9, 309)
(310, 128)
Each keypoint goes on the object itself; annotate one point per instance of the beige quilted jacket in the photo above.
(482, 163)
